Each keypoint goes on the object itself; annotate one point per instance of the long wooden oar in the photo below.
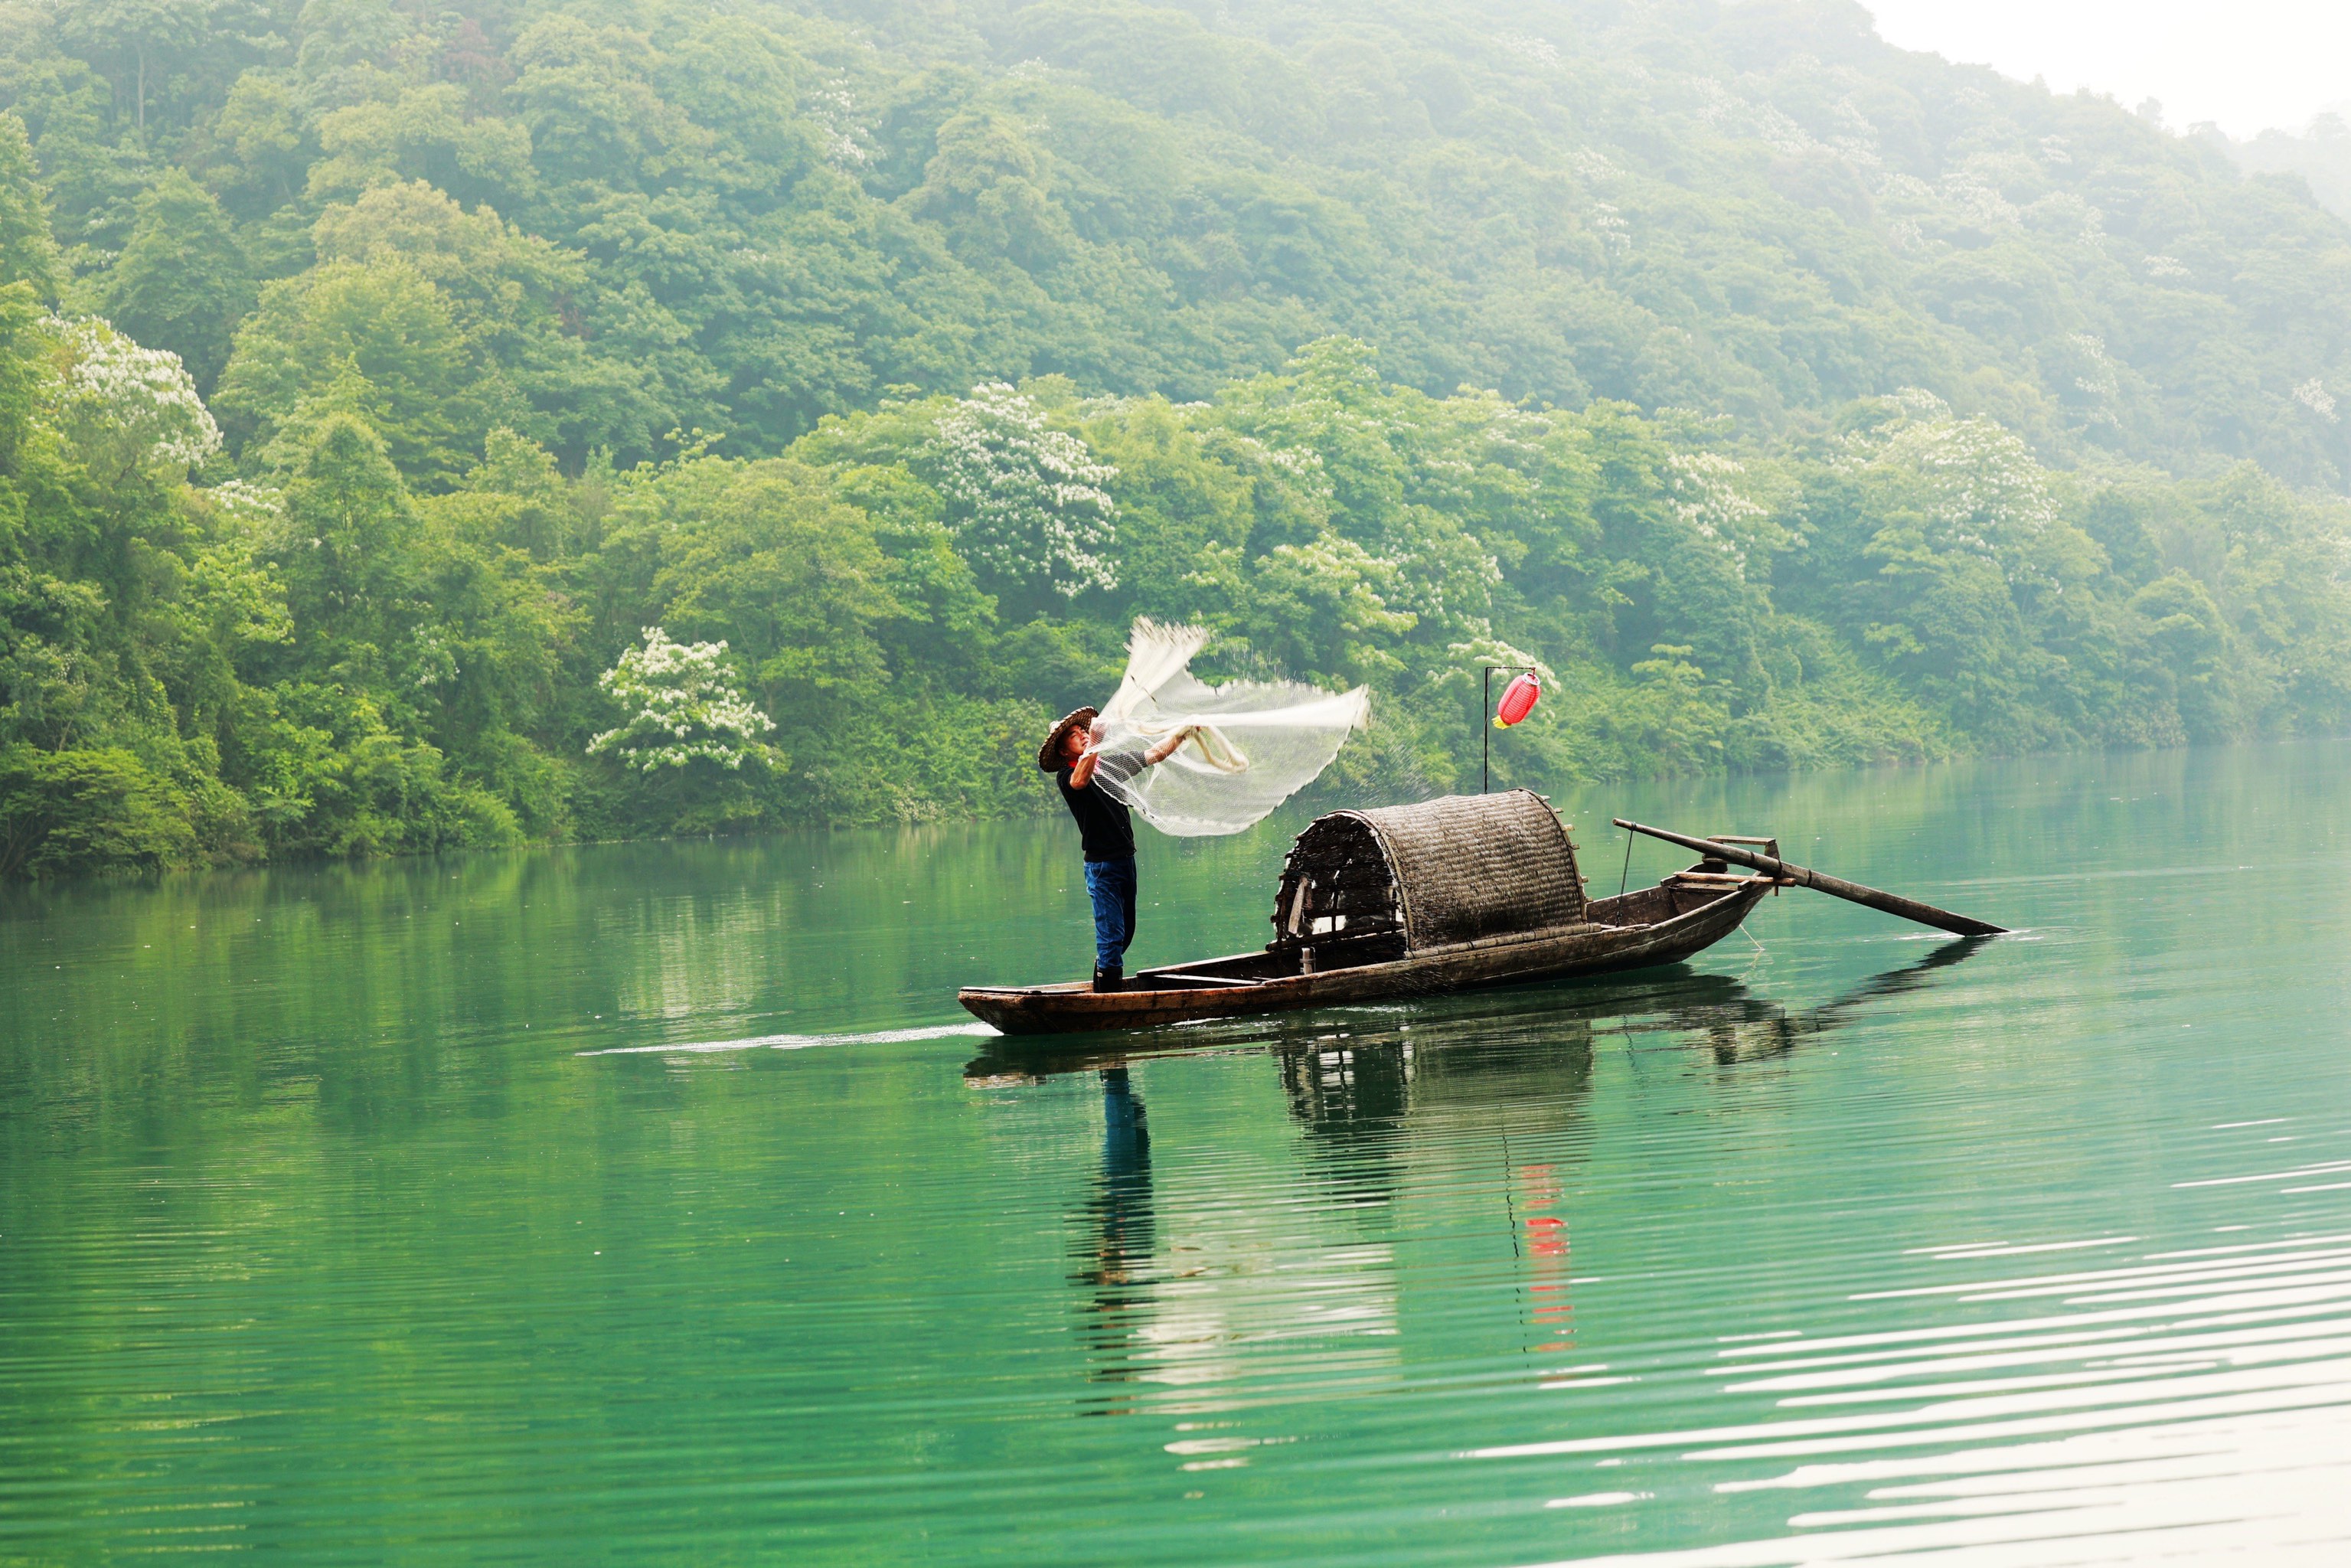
(1821, 881)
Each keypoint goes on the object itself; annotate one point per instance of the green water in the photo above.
(655, 1204)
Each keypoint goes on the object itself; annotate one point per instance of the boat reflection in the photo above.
(1194, 1281)
(1746, 1028)
(1368, 1098)
(1492, 1033)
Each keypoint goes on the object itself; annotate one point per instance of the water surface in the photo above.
(655, 1204)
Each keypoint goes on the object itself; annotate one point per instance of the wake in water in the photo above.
(797, 1041)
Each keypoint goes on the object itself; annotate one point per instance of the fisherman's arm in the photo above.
(1167, 748)
(1082, 772)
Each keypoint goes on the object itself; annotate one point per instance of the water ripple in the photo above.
(2227, 1429)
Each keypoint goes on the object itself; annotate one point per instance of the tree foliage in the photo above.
(1793, 399)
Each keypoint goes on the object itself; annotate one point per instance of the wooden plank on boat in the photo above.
(1183, 980)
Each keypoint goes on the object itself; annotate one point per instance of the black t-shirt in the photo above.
(1104, 825)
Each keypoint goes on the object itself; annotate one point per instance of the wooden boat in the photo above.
(1450, 894)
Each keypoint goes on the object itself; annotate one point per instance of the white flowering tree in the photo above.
(120, 404)
(679, 702)
(1024, 502)
(1967, 486)
(1322, 610)
(1710, 499)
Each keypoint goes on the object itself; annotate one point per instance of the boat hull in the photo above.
(1187, 992)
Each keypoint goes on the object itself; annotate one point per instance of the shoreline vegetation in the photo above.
(438, 428)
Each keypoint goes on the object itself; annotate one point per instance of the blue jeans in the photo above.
(1111, 885)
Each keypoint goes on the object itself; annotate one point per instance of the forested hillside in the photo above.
(2321, 155)
(426, 426)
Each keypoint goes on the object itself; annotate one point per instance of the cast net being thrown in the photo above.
(1253, 744)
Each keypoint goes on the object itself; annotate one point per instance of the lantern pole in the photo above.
(1486, 727)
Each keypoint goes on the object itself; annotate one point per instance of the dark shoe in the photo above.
(1111, 979)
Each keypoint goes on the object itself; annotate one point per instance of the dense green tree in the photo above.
(346, 550)
(85, 811)
(136, 34)
(27, 253)
(183, 283)
(377, 338)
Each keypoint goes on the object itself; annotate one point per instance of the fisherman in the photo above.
(1105, 828)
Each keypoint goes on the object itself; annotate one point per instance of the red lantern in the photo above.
(1518, 700)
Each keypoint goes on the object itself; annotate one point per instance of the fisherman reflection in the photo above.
(1117, 1255)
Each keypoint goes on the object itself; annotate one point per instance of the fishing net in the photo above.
(1251, 745)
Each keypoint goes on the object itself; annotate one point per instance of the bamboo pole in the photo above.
(1821, 881)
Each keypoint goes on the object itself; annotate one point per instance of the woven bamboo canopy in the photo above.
(1406, 879)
